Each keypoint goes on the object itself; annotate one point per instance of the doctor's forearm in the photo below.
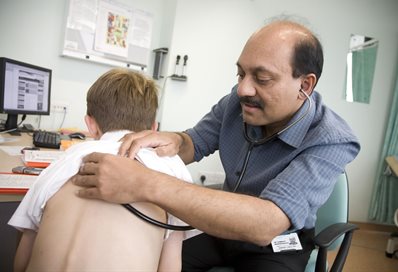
(222, 214)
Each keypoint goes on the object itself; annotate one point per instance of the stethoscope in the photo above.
(252, 143)
(256, 142)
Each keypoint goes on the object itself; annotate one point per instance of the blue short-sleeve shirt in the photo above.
(296, 170)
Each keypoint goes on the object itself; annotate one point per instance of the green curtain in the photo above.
(363, 67)
(384, 200)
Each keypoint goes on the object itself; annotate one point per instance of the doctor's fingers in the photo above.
(95, 157)
(129, 146)
(99, 164)
(156, 140)
(88, 168)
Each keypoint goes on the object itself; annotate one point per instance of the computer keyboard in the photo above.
(47, 139)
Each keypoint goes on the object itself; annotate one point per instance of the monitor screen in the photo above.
(24, 89)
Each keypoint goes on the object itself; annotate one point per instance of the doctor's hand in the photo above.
(113, 178)
(164, 143)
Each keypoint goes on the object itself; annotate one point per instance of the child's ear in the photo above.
(155, 126)
(92, 127)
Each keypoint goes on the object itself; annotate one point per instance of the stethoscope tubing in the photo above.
(264, 140)
(154, 221)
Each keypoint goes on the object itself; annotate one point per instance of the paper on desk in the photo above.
(15, 181)
(37, 158)
(12, 150)
(7, 139)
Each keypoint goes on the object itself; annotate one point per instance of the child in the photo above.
(62, 232)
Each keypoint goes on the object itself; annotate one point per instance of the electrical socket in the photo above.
(59, 107)
(208, 178)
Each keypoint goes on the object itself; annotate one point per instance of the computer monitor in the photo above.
(24, 89)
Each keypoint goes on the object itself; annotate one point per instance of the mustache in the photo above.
(252, 101)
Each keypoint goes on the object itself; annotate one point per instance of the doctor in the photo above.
(286, 165)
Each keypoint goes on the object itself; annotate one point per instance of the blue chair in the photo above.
(332, 231)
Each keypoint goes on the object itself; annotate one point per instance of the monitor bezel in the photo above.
(3, 62)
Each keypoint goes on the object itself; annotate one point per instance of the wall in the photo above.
(32, 31)
(212, 37)
(212, 33)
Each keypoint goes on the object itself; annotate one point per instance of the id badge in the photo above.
(286, 242)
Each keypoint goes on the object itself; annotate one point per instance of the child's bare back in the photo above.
(90, 235)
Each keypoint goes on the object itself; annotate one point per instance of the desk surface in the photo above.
(7, 162)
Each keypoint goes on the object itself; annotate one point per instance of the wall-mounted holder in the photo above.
(176, 75)
(159, 57)
(180, 78)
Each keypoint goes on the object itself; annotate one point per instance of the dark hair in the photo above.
(123, 99)
(307, 57)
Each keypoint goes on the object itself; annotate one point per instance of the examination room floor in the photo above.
(367, 251)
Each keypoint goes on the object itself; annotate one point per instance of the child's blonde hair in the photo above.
(123, 99)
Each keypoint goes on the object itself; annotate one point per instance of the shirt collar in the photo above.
(114, 135)
(295, 135)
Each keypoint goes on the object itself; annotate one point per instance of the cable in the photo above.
(22, 119)
(6, 131)
(164, 86)
(15, 129)
(63, 118)
(161, 100)
(39, 122)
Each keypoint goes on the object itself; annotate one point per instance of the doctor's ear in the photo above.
(308, 83)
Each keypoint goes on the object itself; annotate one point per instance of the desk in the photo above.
(8, 162)
(9, 236)
(393, 164)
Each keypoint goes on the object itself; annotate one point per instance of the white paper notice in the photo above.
(9, 181)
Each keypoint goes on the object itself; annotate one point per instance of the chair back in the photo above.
(335, 210)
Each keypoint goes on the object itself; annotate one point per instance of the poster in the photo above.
(108, 32)
(112, 33)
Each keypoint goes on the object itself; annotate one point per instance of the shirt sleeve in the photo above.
(308, 181)
(205, 134)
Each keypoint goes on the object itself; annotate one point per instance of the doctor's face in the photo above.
(269, 94)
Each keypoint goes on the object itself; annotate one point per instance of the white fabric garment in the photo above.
(29, 212)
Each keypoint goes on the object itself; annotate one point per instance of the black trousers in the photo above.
(202, 252)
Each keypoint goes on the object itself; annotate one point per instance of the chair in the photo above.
(330, 227)
(331, 231)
